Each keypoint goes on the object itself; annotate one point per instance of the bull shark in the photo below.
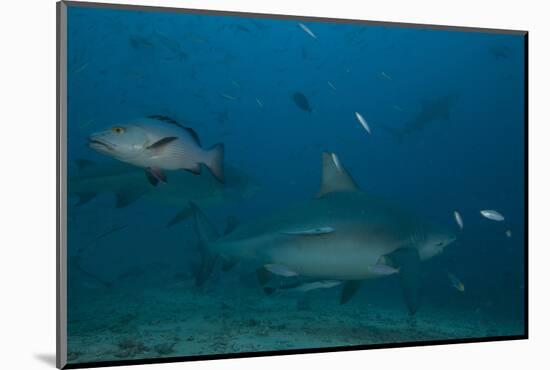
(342, 234)
(88, 179)
(432, 110)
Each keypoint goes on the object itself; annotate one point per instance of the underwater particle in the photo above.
(331, 85)
(491, 214)
(456, 283)
(301, 101)
(386, 76)
(260, 104)
(458, 219)
(508, 233)
(362, 121)
(307, 30)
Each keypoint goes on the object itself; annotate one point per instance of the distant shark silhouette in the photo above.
(88, 179)
(343, 234)
(433, 110)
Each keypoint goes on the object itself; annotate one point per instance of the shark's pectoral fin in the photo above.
(205, 269)
(263, 276)
(182, 215)
(334, 177)
(407, 261)
(228, 263)
(84, 198)
(231, 225)
(309, 232)
(207, 233)
(128, 195)
(349, 289)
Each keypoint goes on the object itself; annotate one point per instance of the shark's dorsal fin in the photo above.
(334, 177)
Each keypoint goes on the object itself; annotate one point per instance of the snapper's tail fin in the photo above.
(214, 161)
(206, 233)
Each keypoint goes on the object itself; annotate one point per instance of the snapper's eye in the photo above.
(118, 130)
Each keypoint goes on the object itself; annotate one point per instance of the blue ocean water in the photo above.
(446, 113)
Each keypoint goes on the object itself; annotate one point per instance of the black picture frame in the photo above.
(61, 193)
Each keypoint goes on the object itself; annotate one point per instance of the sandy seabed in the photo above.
(181, 320)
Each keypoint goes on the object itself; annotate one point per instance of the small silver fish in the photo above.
(455, 282)
(228, 97)
(492, 215)
(235, 83)
(386, 76)
(397, 108)
(260, 104)
(323, 284)
(458, 219)
(331, 85)
(509, 233)
(307, 30)
(362, 121)
(158, 143)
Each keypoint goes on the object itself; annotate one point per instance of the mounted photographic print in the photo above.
(235, 184)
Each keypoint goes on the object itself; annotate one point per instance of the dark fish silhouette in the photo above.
(433, 110)
(75, 263)
(500, 51)
(301, 101)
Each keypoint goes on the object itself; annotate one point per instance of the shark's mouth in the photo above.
(100, 145)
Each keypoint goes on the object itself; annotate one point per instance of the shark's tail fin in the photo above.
(207, 233)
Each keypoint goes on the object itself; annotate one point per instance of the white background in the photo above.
(27, 187)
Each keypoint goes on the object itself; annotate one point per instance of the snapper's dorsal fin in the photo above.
(172, 121)
(334, 177)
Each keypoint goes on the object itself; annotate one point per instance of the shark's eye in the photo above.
(440, 244)
(118, 130)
